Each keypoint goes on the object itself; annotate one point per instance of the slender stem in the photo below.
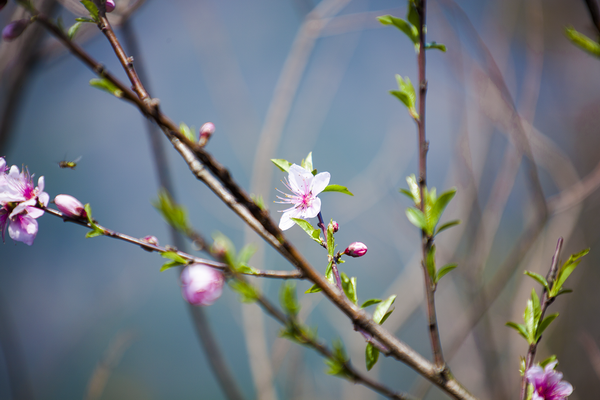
(426, 239)
(546, 301)
(334, 267)
(219, 180)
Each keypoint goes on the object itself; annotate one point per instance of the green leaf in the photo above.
(282, 164)
(537, 309)
(85, 20)
(544, 324)
(307, 164)
(408, 194)
(447, 225)
(349, 286)
(370, 302)
(107, 86)
(247, 270)
(383, 308)
(187, 132)
(438, 208)
(173, 213)
(430, 262)
(245, 254)
(177, 260)
(542, 281)
(247, 292)
(530, 322)
(94, 233)
(566, 270)
(564, 291)
(315, 234)
(416, 217)
(548, 360)
(91, 7)
(313, 289)
(288, 299)
(371, 355)
(337, 363)
(298, 333)
(443, 271)
(387, 314)
(434, 45)
(330, 239)
(519, 328)
(73, 30)
(337, 188)
(406, 27)
(583, 42)
(259, 201)
(329, 273)
(223, 245)
(406, 94)
(414, 189)
(412, 15)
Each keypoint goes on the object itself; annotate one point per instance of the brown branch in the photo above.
(592, 7)
(218, 179)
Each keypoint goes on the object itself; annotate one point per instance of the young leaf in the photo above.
(246, 269)
(370, 303)
(177, 260)
(282, 164)
(73, 30)
(248, 293)
(447, 225)
(412, 15)
(80, 19)
(307, 164)
(414, 189)
(430, 263)
(330, 239)
(438, 208)
(416, 217)
(542, 281)
(93, 10)
(406, 27)
(337, 363)
(245, 254)
(434, 45)
(566, 270)
(583, 42)
(537, 309)
(187, 132)
(408, 194)
(288, 299)
(443, 271)
(530, 322)
(382, 309)
(337, 188)
(547, 361)
(94, 233)
(259, 201)
(544, 324)
(371, 355)
(519, 328)
(406, 94)
(97, 231)
(107, 86)
(173, 213)
(349, 286)
(309, 229)
(222, 245)
(313, 289)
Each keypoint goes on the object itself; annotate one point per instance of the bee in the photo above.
(69, 164)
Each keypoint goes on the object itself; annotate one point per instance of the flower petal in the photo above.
(300, 179)
(285, 222)
(320, 182)
(563, 389)
(34, 212)
(313, 209)
(23, 229)
(41, 184)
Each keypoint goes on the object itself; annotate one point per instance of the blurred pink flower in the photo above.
(547, 383)
(70, 206)
(304, 187)
(19, 202)
(201, 285)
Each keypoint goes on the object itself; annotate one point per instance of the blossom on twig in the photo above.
(304, 187)
(70, 206)
(547, 383)
(356, 249)
(20, 203)
(201, 285)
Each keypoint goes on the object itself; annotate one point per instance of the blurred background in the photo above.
(95, 319)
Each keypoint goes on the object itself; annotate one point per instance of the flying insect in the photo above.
(69, 164)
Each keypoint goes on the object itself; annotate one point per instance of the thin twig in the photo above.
(592, 7)
(218, 179)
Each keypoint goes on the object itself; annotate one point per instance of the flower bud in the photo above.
(206, 132)
(109, 5)
(150, 240)
(356, 249)
(14, 29)
(201, 285)
(70, 206)
(336, 227)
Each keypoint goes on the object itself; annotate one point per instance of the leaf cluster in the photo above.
(533, 326)
(382, 312)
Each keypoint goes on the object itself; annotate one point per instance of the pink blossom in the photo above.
(14, 29)
(70, 206)
(547, 383)
(356, 249)
(304, 187)
(110, 6)
(201, 285)
(20, 203)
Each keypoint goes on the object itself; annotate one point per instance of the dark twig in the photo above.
(545, 302)
(218, 179)
(592, 7)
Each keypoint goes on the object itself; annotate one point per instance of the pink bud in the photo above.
(150, 240)
(109, 5)
(14, 29)
(336, 227)
(356, 249)
(201, 285)
(206, 132)
(70, 206)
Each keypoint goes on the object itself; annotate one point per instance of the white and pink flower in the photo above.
(20, 203)
(201, 285)
(304, 187)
